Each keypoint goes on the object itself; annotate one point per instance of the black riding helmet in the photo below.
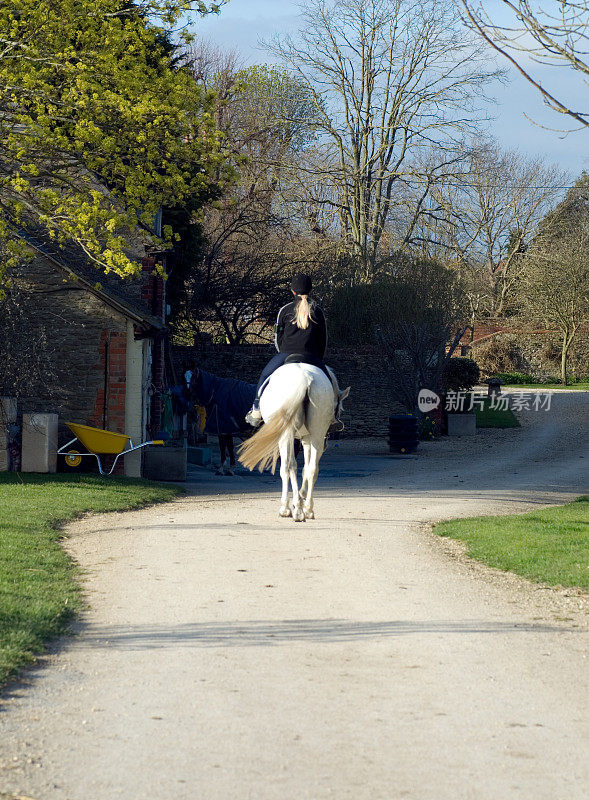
(301, 283)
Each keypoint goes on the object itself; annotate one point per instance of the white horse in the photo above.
(299, 401)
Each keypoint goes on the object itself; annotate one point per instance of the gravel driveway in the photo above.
(228, 654)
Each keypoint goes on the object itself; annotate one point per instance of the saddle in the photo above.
(337, 425)
(301, 358)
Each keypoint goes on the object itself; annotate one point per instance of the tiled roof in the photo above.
(120, 293)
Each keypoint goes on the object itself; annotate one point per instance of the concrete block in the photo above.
(167, 463)
(462, 424)
(135, 411)
(39, 443)
(4, 459)
(201, 456)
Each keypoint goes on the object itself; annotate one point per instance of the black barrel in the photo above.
(403, 433)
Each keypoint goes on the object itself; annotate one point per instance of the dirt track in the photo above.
(228, 654)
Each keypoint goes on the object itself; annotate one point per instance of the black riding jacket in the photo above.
(307, 341)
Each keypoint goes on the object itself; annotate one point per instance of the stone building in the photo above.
(87, 346)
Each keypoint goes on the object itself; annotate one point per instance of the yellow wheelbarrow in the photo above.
(99, 443)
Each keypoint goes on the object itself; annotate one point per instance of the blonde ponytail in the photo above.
(304, 312)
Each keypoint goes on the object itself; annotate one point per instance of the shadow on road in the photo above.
(258, 633)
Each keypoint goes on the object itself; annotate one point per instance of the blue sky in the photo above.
(242, 23)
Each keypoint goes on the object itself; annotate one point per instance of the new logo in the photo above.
(427, 400)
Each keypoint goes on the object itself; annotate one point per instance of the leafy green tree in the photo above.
(99, 128)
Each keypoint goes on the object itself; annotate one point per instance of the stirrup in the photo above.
(336, 426)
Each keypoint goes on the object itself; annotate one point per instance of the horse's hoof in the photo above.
(309, 515)
(299, 516)
(285, 512)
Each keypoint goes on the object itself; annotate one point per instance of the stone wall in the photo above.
(537, 348)
(367, 408)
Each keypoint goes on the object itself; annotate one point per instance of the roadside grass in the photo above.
(583, 386)
(38, 593)
(488, 417)
(549, 546)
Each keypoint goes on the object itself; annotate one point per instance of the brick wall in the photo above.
(152, 288)
(111, 366)
(485, 329)
(367, 408)
(83, 342)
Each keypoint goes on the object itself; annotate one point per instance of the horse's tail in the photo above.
(261, 450)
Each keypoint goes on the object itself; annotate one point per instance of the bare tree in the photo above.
(389, 79)
(556, 278)
(426, 324)
(251, 236)
(540, 33)
(486, 218)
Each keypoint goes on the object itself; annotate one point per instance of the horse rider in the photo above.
(300, 334)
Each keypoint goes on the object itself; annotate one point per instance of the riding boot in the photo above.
(336, 424)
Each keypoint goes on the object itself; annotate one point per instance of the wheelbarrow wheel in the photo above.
(72, 458)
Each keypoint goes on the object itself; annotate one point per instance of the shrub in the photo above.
(429, 426)
(499, 354)
(460, 374)
(413, 291)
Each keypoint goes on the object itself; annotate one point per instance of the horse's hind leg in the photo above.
(288, 473)
(231, 453)
(231, 449)
(306, 444)
(286, 454)
(222, 455)
(226, 450)
(313, 451)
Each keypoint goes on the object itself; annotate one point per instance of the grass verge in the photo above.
(38, 593)
(488, 417)
(539, 387)
(548, 546)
